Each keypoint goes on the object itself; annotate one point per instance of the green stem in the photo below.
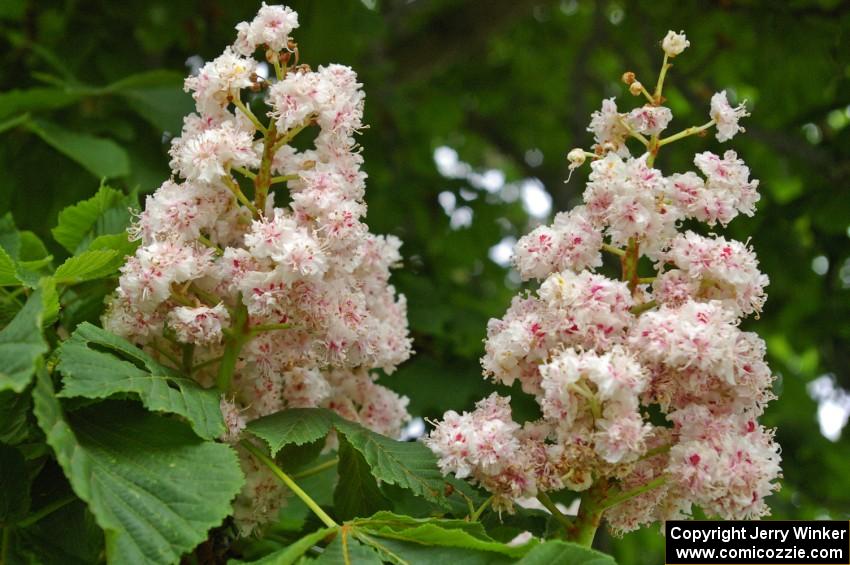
(592, 402)
(641, 308)
(475, 516)
(283, 178)
(247, 111)
(634, 134)
(621, 497)
(305, 498)
(46, 510)
(557, 514)
(207, 243)
(317, 469)
(206, 363)
(646, 280)
(180, 298)
(269, 328)
(164, 353)
(685, 133)
(655, 451)
(589, 515)
(611, 249)
(290, 135)
(629, 264)
(238, 336)
(240, 196)
(279, 71)
(208, 298)
(13, 294)
(646, 94)
(659, 86)
(262, 181)
(245, 172)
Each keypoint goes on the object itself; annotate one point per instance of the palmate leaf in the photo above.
(152, 485)
(22, 255)
(68, 536)
(412, 553)
(102, 157)
(107, 212)
(356, 493)
(8, 270)
(97, 364)
(118, 242)
(14, 411)
(22, 344)
(565, 552)
(437, 532)
(14, 102)
(409, 465)
(291, 553)
(346, 550)
(297, 426)
(88, 265)
(14, 485)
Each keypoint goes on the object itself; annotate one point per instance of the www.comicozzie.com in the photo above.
(758, 543)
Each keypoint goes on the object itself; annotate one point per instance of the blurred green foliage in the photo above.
(92, 89)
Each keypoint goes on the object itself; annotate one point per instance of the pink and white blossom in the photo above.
(726, 116)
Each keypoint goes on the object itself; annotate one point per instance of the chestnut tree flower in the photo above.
(281, 300)
(599, 354)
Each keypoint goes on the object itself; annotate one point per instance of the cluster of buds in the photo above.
(279, 306)
(599, 355)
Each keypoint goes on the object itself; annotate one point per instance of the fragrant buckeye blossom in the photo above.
(600, 355)
(281, 300)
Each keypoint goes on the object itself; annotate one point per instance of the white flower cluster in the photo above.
(281, 306)
(599, 354)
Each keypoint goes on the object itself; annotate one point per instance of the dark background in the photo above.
(509, 86)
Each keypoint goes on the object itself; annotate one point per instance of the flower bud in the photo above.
(674, 43)
(576, 157)
(628, 77)
(635, 88)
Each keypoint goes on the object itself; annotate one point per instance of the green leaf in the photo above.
(88, 265)
(119, 242)
(396, 521)
(100, 156)
(291, 553)
(14, 410)
(14, 485)
(107, 212)
(346, 550)
(50, 300)
(22, 254)
(14, 102)
(21, 345)
(32, 248)
(157, 96)
(565, 552)
(409, 465)
(357, 492)
(98, 364)
(152, 485)
(296, 425)
(412, 553)
(437, 532)
(68, 536)
(10, 237)
(8, 270)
